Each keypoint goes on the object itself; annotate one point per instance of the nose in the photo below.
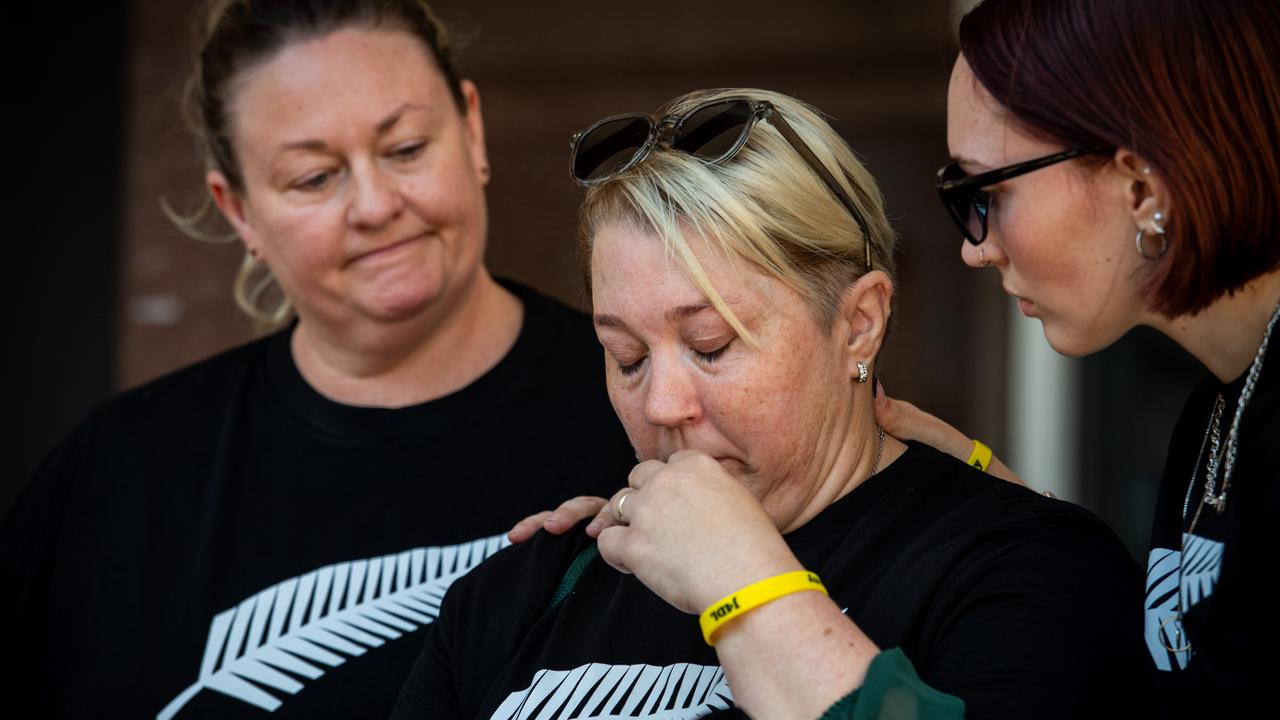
(375, 200)
(672, 398)
(979, 256)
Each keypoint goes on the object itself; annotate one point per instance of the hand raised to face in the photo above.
(692, 533)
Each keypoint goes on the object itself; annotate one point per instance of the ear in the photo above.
(1144, 190)
(231, 205)
(863, 318)
(474, 121)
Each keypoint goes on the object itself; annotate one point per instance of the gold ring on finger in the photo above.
(617, 509)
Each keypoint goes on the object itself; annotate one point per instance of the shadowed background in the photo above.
(113, 295)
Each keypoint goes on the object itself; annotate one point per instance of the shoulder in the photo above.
(1001, 583)
(172, 395)
(487, 613)
(174, 405)
(962, 506)
(953, 488)
(98, 461)
(528, 571)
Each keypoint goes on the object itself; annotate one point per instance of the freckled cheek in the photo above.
(753, 415)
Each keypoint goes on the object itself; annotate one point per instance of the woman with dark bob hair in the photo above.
(774, 554)
(1117, 163)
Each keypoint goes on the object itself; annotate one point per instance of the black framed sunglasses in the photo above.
(968, 203)
(712, 132)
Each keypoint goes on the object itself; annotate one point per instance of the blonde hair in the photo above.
(764, 206)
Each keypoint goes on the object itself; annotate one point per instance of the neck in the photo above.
(851, 463)
(1225, 336)
(396, 364)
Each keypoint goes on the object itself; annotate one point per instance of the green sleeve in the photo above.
(893, 691)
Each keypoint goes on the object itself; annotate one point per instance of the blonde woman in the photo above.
(775, 552)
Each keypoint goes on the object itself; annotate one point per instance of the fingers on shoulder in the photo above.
(526, 528)
(579, 508)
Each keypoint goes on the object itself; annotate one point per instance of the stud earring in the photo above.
(982, 260)
(863, 372)
(1157, 223)
(1157, 229)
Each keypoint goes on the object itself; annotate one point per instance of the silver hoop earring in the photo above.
(1157, 228)
(863, 372)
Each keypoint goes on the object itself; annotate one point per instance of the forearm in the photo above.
(793, 657)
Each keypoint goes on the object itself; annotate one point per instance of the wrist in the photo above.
(739, 603)
(753, 554)
(953, 442)
(980, 456)
(745, 575)
(793, 657)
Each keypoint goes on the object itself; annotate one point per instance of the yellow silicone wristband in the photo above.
(755, 595)
(980, 457)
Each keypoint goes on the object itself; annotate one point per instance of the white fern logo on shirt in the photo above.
(675, 692)
(1176, 581)
(291, 631)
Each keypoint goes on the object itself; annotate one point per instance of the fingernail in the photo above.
(593, 525)
(879, 390)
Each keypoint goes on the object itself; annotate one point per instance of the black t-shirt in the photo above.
(1232, 666)
(226, 541)
(1020, 605)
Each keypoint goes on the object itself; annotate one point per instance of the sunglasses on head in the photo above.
(712, 132)
(968, 203)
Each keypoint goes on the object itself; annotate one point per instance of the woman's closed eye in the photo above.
(312, 182)
(408, 151)
(710, 349)
(630, 368)
(710, 356)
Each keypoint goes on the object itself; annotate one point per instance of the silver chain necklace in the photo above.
(1177, 644)
(1212, 498)
(875, 466)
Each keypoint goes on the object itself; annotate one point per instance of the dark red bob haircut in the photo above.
(1191, 86)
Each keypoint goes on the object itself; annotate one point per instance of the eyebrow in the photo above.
(384, 126)
(676, 313)
(963, 161)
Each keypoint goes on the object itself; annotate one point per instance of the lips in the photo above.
(383, 250)
(1025, 306)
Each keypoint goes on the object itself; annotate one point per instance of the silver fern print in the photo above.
(292, 631)
(599, 691)
(1177, 582)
